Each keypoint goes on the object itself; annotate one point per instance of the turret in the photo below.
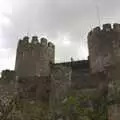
(104, 54)
(100, 44)
(34, 58)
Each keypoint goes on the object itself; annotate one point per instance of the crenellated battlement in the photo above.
(35, 40)
(105, 29)
(27, 44)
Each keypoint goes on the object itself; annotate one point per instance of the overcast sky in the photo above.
(64, 22)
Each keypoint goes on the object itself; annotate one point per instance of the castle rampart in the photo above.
(33, 58)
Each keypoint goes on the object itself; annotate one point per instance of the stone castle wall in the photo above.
(34, 58)
(34, 88)
(60, 88)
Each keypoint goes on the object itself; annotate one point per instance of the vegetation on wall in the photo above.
(85, 107)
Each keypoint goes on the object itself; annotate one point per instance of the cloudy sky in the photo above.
(64, 22)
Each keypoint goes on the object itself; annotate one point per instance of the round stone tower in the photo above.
(34, 58)
(100, 43)
(104, 56)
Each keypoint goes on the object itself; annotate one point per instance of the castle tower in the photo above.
(104, 51)
(34, 58)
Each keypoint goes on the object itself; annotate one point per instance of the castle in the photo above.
(35, 63)
(40, 78)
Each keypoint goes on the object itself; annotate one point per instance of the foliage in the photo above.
(85, 107)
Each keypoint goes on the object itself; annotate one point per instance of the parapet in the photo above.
(25, 44)
(106, 28)
(96, 30)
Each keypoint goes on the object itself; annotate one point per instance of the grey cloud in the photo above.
(50, 17)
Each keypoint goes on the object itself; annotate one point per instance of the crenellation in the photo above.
(35, 40)
(51, 52)
(43, 42)
(19, 42)
(97, 29)
(23, 44)
(94, 31)
(116, 27)
(90, 34)
(107, 27)
(26, 40)
(50, 44)
(19, 45)
(109, 31)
